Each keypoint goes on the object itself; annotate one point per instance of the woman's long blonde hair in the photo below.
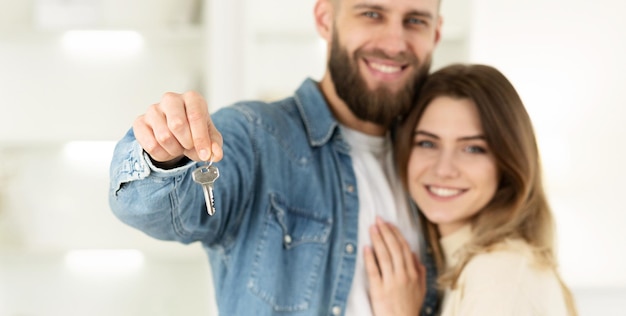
(519, 208)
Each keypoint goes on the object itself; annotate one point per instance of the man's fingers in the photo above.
(175, 114)
(197, 113)
(216, 142)
(179, 126)
(157, 121)
(146, 138)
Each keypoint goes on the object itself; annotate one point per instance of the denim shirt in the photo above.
(283, 236)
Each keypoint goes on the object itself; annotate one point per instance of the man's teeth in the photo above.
(386, 68)
(443, 192)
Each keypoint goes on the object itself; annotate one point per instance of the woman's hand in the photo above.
(397, 278)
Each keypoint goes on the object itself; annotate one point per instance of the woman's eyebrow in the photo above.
(422, 132)
(464, 138)
(476, 137)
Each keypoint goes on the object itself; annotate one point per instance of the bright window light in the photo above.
(88, 157)
(89, 151)
(100, 43)
(104, 262)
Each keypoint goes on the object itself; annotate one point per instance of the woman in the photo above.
(467, 155)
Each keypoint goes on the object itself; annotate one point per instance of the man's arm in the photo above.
(143, 193)
(149, 198)
(168, 204)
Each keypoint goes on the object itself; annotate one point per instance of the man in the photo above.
(302, 179)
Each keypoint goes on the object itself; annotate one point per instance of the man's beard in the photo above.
(380, 106)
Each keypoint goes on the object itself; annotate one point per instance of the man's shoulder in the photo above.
(279, 120)
(257, 111)
(303, 116)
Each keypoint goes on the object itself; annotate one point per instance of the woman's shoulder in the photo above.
(511, 255)
(509, 276)
(511, 262)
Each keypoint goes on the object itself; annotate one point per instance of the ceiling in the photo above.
(51, 14)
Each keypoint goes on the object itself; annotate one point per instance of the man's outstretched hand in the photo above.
(179, 126)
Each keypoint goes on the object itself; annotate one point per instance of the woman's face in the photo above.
(452, 173)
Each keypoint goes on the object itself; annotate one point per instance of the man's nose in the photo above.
(392, 39)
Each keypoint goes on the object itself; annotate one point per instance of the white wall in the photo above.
(49, 95)
(53, 190)
(567, 60)
(54, 207)
(44, 284)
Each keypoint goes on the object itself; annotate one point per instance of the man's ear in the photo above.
(324, 18)
(438, 29)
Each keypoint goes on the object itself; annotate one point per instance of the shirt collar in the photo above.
(319, 122)
(453, 243)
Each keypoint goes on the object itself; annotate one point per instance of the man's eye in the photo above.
(371, 14)
(416, 21)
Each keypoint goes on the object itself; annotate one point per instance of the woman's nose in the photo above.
(446, 166)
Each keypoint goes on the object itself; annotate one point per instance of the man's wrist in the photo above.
(171, 164)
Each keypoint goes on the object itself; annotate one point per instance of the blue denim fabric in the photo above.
(285, 200)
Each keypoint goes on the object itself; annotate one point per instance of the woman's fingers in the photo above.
(407, 255)
(371, 267)
(421, 273)
(392, 255)
(397, 247)
(381, 252)
(397, 279)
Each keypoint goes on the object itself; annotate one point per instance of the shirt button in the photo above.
(336, 310)
(349, 248)
(350, 188)
(429, 310)
(287, 239)
(137, 166)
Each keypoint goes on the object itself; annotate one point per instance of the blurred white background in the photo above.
(66, 96)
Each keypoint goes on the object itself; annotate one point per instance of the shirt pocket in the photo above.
(290, 256)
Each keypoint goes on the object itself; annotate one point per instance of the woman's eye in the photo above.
(475, 150)
(425, 144)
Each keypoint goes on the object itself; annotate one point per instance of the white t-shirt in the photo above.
(380, 194)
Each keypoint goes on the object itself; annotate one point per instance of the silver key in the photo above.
(205, 176)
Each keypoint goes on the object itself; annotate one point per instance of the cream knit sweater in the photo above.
(502, 282)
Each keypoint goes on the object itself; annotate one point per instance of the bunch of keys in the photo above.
(205, 176)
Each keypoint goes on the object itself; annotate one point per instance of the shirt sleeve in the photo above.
(143, 196)
(168, 204)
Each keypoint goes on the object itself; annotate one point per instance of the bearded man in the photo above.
(301, 180)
